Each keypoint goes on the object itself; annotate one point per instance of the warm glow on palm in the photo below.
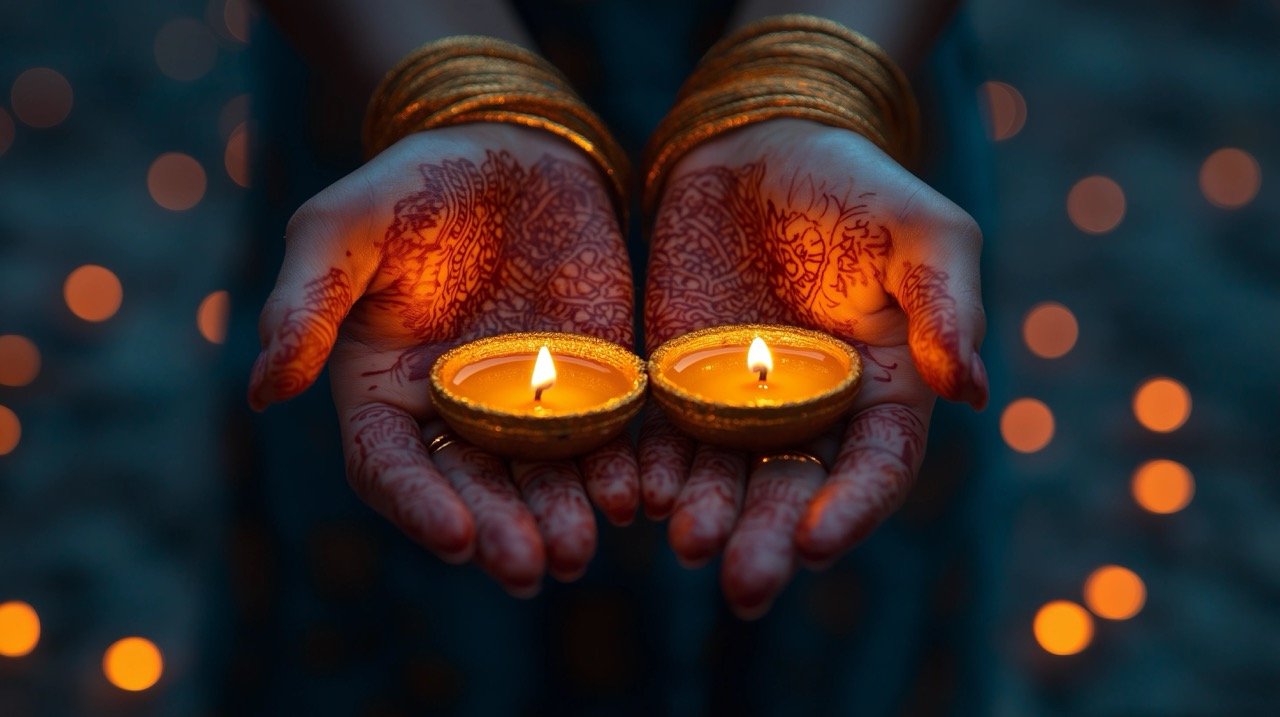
(482, 230)
(793, 223)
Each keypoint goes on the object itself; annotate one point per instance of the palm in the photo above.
(756, 243)
(448, 236)
(794, 224)
(484, 248)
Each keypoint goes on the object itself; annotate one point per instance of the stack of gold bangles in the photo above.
(466, 78)
(797, 66)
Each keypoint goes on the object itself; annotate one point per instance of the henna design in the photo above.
(388, 467)
(302, 341)
(808, 257)
(612, 481)
(665, 456)
(891, 428)
(507, 541)
(482, 249)
(559, 505)
(883, 448)
(761, 555)
(933, 334)
(883, 368)
(441, 245)
(729, 243)
(708, 504)
(737, 243)
(413, 364)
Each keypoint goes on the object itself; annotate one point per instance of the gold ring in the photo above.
(790, 456)
(441, 442)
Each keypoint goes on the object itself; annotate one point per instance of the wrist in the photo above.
(904, 29)
(474, 79)
(793, 66)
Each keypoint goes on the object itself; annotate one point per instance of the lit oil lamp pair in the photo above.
(547, 396)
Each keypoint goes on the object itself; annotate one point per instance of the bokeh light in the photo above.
(234, 112)
(10, 430)
(185, 49)
(1050, 330)
(1162, 404)
(133, 663)
(1063, 627)
(235, 15)
(211, 317)
(176, 181)
(236, 157)
(1027, 425)
(7, 131)
(41, 97)
(1006, 109)
(1230, 178)
(1096, 204)
(93, 293)
(1114, 592)
(19, 360)
(1163, 486)
(19, 628)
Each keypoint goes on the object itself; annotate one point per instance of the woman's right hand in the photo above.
(447, 236)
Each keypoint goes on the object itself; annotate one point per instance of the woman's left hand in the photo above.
(797, 223)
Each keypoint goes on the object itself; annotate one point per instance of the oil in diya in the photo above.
(538, 395)
(756, 387)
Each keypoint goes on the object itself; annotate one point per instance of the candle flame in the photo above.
(544, 373)
(759, 359)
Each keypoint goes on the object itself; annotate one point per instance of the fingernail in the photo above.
(753, 610)
(567, 572)
(455, 550)
(450, 531)
(525, 592)
(691, 563)
(692, 546)
(619, 507)
(812, 546)
(657, 509)
(622, 517)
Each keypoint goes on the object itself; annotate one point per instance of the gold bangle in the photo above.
(796, 66)
(465, 79)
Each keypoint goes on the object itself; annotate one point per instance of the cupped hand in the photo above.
(448, 236)
(796, 223)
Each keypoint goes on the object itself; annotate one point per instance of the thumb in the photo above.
(319, 281)
(936, 282)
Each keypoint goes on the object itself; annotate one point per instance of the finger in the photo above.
(319, 281)
(612, 480)
(508, 546)
(388, 467)
(665, 456)
(553, 490)
(708, 505)
(882, 451)
(761, 555)
(936, 282)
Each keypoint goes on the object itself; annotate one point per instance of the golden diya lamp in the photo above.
(538, 395)
(755, 387)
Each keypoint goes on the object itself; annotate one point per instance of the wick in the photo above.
(537, 394)
(764, 375)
